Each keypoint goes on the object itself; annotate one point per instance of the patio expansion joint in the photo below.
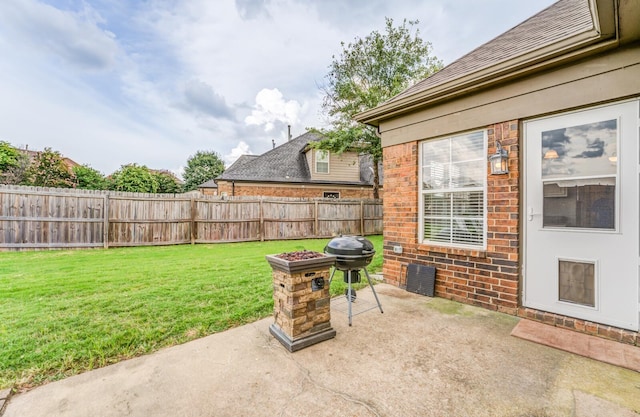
(308, 378)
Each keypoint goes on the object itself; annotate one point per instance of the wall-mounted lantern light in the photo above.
(499, 161)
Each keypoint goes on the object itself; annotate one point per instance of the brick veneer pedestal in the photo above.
(301, 306)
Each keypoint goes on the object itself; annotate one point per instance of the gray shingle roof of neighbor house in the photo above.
(286, 163)
(240, 162)
(560, 28)
(208, 184)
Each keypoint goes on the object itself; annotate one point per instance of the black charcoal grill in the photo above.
(353, 253)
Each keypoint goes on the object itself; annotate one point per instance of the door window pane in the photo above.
(580, 151)
(580, 206)
(579, 172)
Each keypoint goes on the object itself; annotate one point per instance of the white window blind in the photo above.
(453, 189)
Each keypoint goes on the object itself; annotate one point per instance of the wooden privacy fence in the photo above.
(40, 218)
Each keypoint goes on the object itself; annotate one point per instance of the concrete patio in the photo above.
(422, 357)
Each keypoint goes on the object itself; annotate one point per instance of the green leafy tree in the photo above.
(88, 178)
(134, 178)
(48, 169)
(8, 156)
(13, 165)
(202, 167)
(367, 73)
(17, 174)
(167, 182)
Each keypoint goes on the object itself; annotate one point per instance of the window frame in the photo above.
(422, 192)
(586, 178)
(318, 160)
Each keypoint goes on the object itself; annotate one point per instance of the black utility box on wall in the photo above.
(421, 279)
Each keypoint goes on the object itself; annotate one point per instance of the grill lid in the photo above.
(349, 246)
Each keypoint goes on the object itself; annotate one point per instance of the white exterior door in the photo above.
(581, 254)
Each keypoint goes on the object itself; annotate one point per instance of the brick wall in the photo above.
(487, 278)
(291, 190)
(208, 191)
(583, 326)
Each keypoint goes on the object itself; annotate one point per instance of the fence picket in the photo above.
(48, 218)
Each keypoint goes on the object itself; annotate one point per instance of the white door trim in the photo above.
(544, 295)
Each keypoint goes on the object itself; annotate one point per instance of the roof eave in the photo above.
(301, 182)
(587, 43)
(603, 36)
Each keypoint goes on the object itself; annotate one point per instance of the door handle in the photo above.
(531, 214)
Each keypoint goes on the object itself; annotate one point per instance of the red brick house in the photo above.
(208, 188)
(68, 162)
(294, 169)
(556, 238)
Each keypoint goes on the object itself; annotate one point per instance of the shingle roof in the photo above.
(544, 39)
(285, 163)
(561, 20)
(240, 162)
(208, 184)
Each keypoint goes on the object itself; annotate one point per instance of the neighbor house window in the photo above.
(453, 189)
(331, 194)
(322, 161)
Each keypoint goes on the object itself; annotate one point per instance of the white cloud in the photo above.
(201, 98)
(271, 107)
(250, 9)
(109, 83)
(237, 152)
(73, 36)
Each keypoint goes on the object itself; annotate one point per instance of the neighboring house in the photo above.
(556, 239)
(167, 173)
(69, 163)
(294, 169)
(208, 188)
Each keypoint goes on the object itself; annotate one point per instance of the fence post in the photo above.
(361, 218)
(315, 223)
(133, 212)
(105, 231)
(261, 220)
(193, 221)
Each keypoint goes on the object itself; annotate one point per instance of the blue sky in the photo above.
(109, 82)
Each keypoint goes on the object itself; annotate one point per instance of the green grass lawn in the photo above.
(65, 312)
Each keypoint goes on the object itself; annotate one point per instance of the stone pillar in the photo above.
(301, 303)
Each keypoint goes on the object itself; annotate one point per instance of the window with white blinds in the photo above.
(322, 161)
(453, 189)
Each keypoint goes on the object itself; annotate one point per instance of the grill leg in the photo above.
(372, 289)
(331, 276)
(349, 293)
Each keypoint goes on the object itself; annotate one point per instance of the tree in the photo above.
(8, 156)
(369, 72)
(202, 167)
(13, 165)
(88, 178)
(48, 169)
(167, 182)
(134, 178)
